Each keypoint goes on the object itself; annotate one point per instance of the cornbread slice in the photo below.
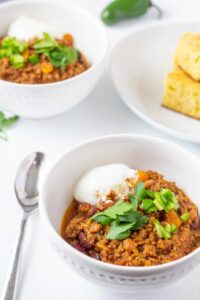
(187, 55)
(182, 94)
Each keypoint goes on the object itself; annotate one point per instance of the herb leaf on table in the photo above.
(6, 123)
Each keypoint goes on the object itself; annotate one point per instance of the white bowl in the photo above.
(139, 152)
(45, 100)
(139, 64)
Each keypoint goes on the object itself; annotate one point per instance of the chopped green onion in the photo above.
(158, 228)
(14, 45)
(159, 203)
(17, 61)
(169, 199)
(185, 217)
(148, 206)
(5, 53)
(171, 228)
(34, 59)
(165, 200)
(164, 232)
(167, 194)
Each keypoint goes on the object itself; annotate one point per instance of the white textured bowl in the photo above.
(139, 64)
(139, 152)
(45, 100)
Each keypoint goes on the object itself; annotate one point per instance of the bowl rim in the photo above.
(11, 4)
(133, 108)
(88, 260)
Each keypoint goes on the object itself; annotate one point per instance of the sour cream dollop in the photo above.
(95, 184)
(25, 28)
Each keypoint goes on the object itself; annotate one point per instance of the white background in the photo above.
(43, 274)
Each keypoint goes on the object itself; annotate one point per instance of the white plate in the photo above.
(139, 64)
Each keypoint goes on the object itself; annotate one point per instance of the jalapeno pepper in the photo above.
(119, 10)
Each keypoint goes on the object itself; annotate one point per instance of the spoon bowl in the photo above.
(26, 181)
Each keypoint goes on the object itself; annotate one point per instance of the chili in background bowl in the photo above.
(46, 100)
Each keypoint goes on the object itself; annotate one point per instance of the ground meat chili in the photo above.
(143, 247)
(37, 66)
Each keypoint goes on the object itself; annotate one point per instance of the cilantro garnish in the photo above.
(120, 208)
(122, 218)
(164, 232)
(59, 55)
(119, 231)
(185, 217)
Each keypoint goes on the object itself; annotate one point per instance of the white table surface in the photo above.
(43, 274)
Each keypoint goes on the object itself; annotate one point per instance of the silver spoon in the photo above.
(26, 190)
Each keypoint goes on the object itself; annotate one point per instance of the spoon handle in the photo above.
(9, 291)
